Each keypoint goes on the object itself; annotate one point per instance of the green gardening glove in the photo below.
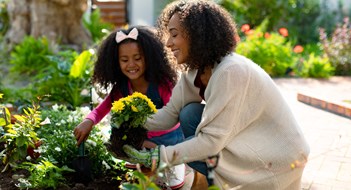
(145, 157)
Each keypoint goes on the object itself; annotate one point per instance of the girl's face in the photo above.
(131, 61)
(177, 41)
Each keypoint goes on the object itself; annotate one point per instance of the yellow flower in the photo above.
(117, 106)
(134, 109)
(1, 95)
(152, 106)
(139, 95)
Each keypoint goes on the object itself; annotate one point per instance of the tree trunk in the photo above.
(58, 20)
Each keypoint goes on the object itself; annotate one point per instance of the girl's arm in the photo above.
(82, 130)
(101, 110)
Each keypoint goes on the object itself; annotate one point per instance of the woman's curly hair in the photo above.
(159, 65)
(209, 28)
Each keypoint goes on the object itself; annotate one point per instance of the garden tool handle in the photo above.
(81, 149)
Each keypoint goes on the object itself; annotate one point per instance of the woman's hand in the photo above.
(82, 131)
(149, 158)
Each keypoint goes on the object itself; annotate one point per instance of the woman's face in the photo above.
(177, 40)
(131, 61)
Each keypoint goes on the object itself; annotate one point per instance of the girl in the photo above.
(135, 60)
(245, 122)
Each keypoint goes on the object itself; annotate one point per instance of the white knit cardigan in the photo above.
(246, 121)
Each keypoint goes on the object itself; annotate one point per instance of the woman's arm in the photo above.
(183, 93)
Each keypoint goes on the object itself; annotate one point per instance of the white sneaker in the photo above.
(175, 176)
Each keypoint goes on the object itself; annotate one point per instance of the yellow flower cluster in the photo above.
(117, 106)
(133, 109)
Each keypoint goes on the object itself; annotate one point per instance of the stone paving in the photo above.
(328, 133)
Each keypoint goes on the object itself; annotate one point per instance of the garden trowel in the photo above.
(82, 165)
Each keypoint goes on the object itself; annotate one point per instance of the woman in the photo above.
(245, 120)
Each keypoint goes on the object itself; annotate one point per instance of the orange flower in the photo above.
(284, 32)
(267, 35)
(245, 27)
(298, 49)
(249, 32)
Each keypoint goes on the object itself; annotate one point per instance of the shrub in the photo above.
(43, 175)
(59, 144)
(4, 17)
(255, 12)
(271, 51)
(29, 56)
(19, 136)
(303, 19)
(65, 78)
(316, 67)
(96, 27)
(338, 47)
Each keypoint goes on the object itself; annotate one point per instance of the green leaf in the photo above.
(80, 64)
(19, 118)
(11, 131)
(2, 122)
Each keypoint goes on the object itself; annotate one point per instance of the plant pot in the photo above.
(126, 135)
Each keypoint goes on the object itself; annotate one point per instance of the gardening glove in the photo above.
(149, 158)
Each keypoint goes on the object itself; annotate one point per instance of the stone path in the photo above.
(328, 133)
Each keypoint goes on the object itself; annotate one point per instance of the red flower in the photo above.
(284, 32)
(267, 35)
(245, 27)
(298, 49)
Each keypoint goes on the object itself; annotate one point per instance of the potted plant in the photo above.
(128, 116)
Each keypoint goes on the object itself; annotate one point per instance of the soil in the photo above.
(126, 135)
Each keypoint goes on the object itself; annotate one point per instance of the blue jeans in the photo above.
(190, 117)
(171, 138)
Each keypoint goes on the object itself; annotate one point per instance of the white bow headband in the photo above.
(133, 34)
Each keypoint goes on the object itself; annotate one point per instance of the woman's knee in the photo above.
(190, 117)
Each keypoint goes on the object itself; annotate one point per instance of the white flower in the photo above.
(70, 119)
(91, 142)
(106, 165)
(55, 107)
(63, 121)
(58, 149)
(28, 158)
(85, 110)
(46, 121)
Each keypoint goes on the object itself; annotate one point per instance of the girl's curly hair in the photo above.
(159, 65)
(209, 28)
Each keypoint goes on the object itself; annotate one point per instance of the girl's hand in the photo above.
(82, 131)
